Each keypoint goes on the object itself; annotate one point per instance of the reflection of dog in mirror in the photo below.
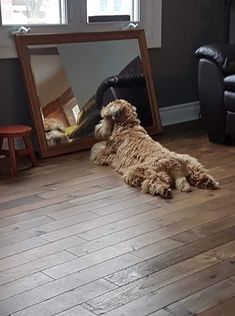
(143, 162)
(54, 131)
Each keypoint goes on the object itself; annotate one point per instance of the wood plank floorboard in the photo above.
(204, 300)
(76, 241)
(225, 308)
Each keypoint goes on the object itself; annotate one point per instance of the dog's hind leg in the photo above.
(135, 175)
(150, 181)
(198, 176)
(182, 184)
(96, 149)
(159, 183)
(178, 172)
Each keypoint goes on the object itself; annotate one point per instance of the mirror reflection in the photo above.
(74, 80)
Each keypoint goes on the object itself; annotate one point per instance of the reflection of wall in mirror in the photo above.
(88, 64)
(50, 77)
(53, 88)
(57, 101)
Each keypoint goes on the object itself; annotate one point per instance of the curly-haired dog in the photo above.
(54, 131)
(142, 161)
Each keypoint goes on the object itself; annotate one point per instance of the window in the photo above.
(102, 4)
(117, 4)
(33, 12)
(112, 10)
(71, 16)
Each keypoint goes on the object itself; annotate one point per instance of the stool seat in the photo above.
(10, 132)
(14, 130)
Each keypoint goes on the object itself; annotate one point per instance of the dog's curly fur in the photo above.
(143, 162)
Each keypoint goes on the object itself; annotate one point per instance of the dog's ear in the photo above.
(115, 113)
(104, 129)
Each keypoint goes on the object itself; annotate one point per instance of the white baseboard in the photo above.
(179, 113)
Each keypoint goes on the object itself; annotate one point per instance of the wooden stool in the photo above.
(10, 132)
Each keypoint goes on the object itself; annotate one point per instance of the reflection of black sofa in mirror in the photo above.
(129, 85)
(130, 88)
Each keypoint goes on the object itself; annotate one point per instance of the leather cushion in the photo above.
(223, 55)
(229, 101)
(230, 124)
(229, 83)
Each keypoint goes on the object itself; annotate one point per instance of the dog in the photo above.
(54, 131)
(143, 162)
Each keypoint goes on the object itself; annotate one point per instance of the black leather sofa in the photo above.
(216, 80)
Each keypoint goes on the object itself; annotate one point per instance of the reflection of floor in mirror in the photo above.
(75, 240)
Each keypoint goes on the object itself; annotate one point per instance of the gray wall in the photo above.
(187, 24)
(13, 101)
(94, 62)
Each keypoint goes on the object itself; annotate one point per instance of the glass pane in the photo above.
(98, 8)
(28, 12)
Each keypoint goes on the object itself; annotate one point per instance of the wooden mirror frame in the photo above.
(24, 40)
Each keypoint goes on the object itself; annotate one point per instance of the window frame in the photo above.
(150, 16)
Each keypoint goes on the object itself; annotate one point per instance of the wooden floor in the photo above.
(76, 241)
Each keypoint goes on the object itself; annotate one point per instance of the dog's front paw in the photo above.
(95, 150)
(182, 185)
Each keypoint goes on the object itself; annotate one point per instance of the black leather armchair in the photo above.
(216, 79)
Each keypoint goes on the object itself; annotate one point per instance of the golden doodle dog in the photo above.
(143, 162)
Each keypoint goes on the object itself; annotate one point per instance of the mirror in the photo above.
(69, 77)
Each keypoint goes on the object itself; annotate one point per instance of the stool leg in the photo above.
(29, 147)
(11, 146)
(1, 142)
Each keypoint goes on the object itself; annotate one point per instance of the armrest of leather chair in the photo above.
(223, 55)
(125, 81)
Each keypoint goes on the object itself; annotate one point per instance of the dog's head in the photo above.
(119, 113)
(51, 124)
